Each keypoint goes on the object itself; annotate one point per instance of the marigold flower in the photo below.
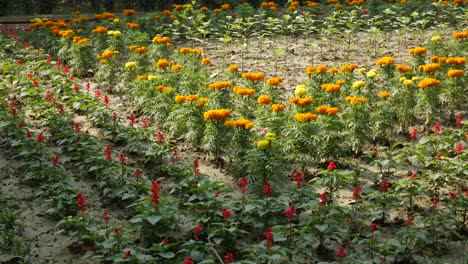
(180, 99)
(242, 91)
(386, 61)
(331, 88)
(160, 39)
(455, 73)
(226, 7)
(429, 67)
(355, 100)
(107, 54)
(428, 82)
(274, 81)
(233, 68)
(264, 100)
(358, 84)
(456, 61)
(384, 95)
(263, 144)
(141, 50)
(253, 76)
(307, 117)
(220, 85)
(133, 25)
(163, 63)
(322, 109)
(418, 51)
(129, 12)
(348, 68)
(277, 108)
(332, 111)
(100, 29)
(217, 114)
(206, 61)
(371, 74)
(300, 90)
(403, 68)
(130, 65)
(408, 82)
(460, 35)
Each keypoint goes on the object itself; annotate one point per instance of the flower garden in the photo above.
(113, 123)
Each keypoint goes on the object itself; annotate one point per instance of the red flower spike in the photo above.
(55, 161)
(132, 119)
(373, 227)
(117, 232)
(267, 190)
(165, 241)
(155, 188)
(128, 254)
(413, 134)
(11, 104)
(81, 202)
(108, 153)
(49, 59)
(137, 174)
(226, 213)
(341, 252)
(357, 192)
(412, 175)
(40, 138)
(384, 186)
(331, 166)
(13, 111)
(453, 196)
(35, 82)
(19, 62)
(114, 116)
(145, 122)
(290, 213)
(438, 155)
(228, 258)
(106, 217)
(97, 94)
(410, 220)
(459, 121)
(106, 100)
(458, 148)
(21, 125)
(435, 202)
(323, 199)
(298, 179)
(87, 87)
(197, 230)
(29, 75)
(188, 260)
(437, 128)
(160, 137)
(122, 158)
(243, 183)
(269, 237)
(66, 69)
(217, 193)
(28, 133)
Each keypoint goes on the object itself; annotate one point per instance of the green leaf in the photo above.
(321, 228)
(153, 219)
(218, 240)
(167, 255)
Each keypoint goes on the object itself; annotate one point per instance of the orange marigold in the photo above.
(253, 76)
(307, 117)
(220, 85)
(233, 68)
(163, 63)
(386, 61)
(403, 68)
(418, 51)
(277, 107)
(217, 114)
(428, 82)
(274, 81)
(264, 100)
(455, 73)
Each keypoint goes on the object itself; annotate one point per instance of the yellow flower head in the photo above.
(253, 76)
(277, 108)
(274, 81)
(217, 114)
(130, 65)
(359, 84)
(386, 61)
(206, 61)
(355, 100)
(233, 68)
(455, 73)
(403, 68)
(428, 82)
(264, 100)
(300, 90)
(220, 85)
(307, 117)
(384, 95)
(418, 51)
(163, 63)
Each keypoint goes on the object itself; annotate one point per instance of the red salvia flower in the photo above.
(298, 179)
(290, 213)
(269, 238)
(29, 75)
(243, 183)
(217, 193)
(81, 202)
(19, 62)
(97, 94)
(228, 258)
(137, 174)
(341, 252)
(435, 201)
(188, 260)
(373, 227)
(226, 213)
(106, 217)
(48, 96)
(122, 158)
(128, 254)
(267, 190)
(160, 137)
(117, 232)
(35, 82)
(66, 69)
(453, 196)
(438, 155)
(323, 199)
(357, 192)
(40, 138)
(55, 161)
(11, 104)
(412, 175)
(410, 220)
(76, 127)
(132, 119)
(106, 100)
(49, 59)
(114, 116)
(13, 111)
(458, 148)
(165, 241)
(21, 125)
(331, 166)
(155, 188)
(108, 153)
(384, 186)
(459, 121)
(28, 133)
(59, 64)
(87, 87)
(61, 107)
(437, 128)
(413, 134)
(72, 78)
(175, 156)
(196, 231)
(145, 122)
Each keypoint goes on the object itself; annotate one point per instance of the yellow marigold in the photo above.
(206, 61)
(107, 54)
(386, 61)
(226, 7)
(202, 101)
(160, 39)
(384, 95)
(133, 25)
(163, 63)
(436, 38)
(229, 123)
(142, 77)
(349, 68)
(242, 91)
(340, 82)
(80, 41)
(430, 67)
(407, 82)
(332, 111)
(300, 90)
(321, 69)
(130, 65)
(362, 70)
(100, 29)
(403, 68)
(274, 81)
(455, 73)
(253, 76)
(180, 99)
(418, 51)
(456, 61)
(176, 67)
(304, 101)
(141, 50)
(152, 77)
(277, 107)
(331, 88)
(233, 68)
(263, 144)
(243, 123)
(428, 82)
(359, 84)
(310, 70)
(129, 12)
(322, 109)
(355, 100)
(307, 117)
(191, 98)
(217, 114)
(264, 100)
(371, 74)
(66, 33)
(333, 70)
(220, 85)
